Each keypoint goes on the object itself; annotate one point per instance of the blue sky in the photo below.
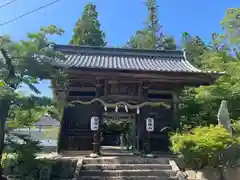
(119, 19)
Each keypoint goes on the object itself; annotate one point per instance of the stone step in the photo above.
(127, 167)
(127, 178)
(125, 160)
(106, 173)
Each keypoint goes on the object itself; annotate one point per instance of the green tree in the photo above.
(87, 30)
(231, 27)
(152, 37)
(200, 105)
(20, 158)
(195, 48)
(25, 62)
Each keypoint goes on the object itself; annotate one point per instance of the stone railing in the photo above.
(180, 175)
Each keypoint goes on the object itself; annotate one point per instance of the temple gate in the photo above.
(117, 85)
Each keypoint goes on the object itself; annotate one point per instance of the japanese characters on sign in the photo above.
(94, 123)
(150, 124)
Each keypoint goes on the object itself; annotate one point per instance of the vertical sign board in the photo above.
(150, 124)
(94, 123)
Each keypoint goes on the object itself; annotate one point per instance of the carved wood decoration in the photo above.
(116, 117)
(130, 89)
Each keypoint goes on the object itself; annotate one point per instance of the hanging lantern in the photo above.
(138, 110)
(126, 108)
(116, 109)
(105, 108)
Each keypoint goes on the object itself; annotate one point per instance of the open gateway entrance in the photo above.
(119, 131)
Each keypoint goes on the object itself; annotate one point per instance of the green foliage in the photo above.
(236, 127)
(51, 132)
(4, 158)
(195, 48)
(27, 117)
(151, 37)
(87, 30)
(25, 62)
(200, 105)
(206, 99)
(23, 160)
(28, 110)
(231, 26)
(204, 146)
(42, 101)
(122, 126)
(192, 113)
(32, 58)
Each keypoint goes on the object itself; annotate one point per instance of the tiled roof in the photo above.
(47, 121)
(124, 59)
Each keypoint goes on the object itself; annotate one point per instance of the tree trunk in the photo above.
(4, 108)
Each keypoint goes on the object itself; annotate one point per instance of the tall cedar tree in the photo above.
(87, 30)
(152, 37)
(194, 47)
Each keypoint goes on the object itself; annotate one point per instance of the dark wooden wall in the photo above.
(76, 134)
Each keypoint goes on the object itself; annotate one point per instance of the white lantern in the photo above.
(126, 108)
(138, 111)
(105, 108)
(116, 109)
(94, 123)
(150, 124)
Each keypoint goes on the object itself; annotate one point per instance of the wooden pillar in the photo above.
(144, 92)
(61, 98)
(98, 88)
(141, 121)
(176, 109)
(96, 134)
(134, 140)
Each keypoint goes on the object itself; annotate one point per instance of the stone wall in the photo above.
(208, 173)
(49, 169)
(213, 174)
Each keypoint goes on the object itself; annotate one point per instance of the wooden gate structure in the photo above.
(145, 83)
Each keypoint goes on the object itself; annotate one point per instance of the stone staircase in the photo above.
(127, 168)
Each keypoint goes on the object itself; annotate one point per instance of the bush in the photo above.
(21, 158)
(204, 146)
(236, 127)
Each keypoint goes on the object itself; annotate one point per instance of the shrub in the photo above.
(204, 146)
(236, 127)
(22, 156)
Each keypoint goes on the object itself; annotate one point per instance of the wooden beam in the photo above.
(164, 75)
